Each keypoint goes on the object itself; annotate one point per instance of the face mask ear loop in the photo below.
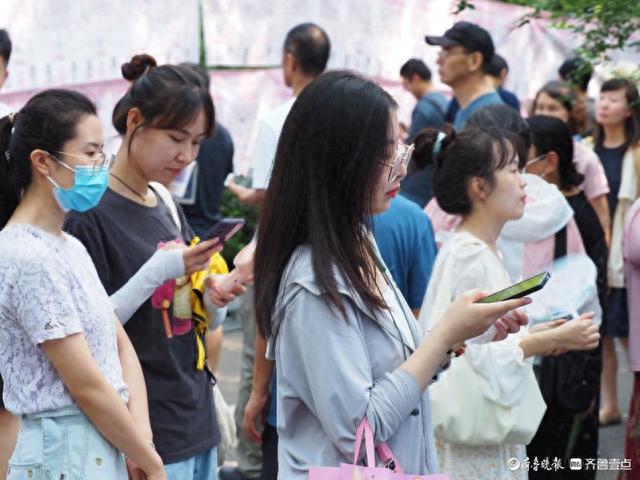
(53, 182)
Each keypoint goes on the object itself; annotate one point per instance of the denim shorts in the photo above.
(203, 466)
(63, 445)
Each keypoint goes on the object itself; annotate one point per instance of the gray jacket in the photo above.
(332, 372)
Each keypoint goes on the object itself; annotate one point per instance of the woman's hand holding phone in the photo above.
(465, 318)
(198, 256)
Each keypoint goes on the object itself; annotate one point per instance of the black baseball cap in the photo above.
(472, 37)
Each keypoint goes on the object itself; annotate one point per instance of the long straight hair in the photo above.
(329, 158)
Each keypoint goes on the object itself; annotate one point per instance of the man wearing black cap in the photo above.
(466, 50)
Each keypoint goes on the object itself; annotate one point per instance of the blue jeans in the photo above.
(64, 444)
(203, 466)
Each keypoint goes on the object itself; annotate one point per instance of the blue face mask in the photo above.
(89, 185)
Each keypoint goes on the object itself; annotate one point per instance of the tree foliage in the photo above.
(605, 25)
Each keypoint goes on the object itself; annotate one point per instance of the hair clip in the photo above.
(438, 145)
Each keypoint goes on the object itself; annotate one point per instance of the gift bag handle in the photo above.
(364, 429)
(384, 452)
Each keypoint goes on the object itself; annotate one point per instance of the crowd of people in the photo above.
(375, 246)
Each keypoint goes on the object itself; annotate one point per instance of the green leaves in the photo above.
(605, 24)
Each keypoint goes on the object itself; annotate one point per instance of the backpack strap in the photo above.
(167, 199)
(560, 249)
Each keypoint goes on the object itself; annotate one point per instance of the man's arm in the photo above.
(262, 373)
(248, 196)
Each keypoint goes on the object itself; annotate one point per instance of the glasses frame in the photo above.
(101, 160)
(402, 157)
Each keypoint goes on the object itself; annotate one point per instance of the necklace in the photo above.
(142, 197)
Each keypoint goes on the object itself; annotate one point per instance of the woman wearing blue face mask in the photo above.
(70, 373)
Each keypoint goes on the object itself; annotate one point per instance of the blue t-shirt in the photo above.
(406, 242)
(417, 186)
(462, 115)
(428, 112)
(507, 97)
(271, 414)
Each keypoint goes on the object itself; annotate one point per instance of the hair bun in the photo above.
(133, 69)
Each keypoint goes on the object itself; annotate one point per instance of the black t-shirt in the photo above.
(592, 235)
(611, 159)
(121, 235)
(215, 162)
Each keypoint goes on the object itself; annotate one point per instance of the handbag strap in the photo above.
(385, 453)
(560, 249)
(167, 199)
(365, 429)
(388, 457)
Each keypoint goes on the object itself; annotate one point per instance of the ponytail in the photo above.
(11, 173)
(431, 145)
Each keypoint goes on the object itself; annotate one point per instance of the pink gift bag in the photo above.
(392, 471)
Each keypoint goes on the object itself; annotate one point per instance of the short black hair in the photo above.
(310, 45)
(632, 122)
(415, 66)
(577, 71)
(5, 45)
(496, 65)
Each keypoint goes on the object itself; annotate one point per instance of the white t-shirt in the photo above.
(49, 289)
(264, 149)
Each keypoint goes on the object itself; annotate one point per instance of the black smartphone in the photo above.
(519, 290)
(224, 229)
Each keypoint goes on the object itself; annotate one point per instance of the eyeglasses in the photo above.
(402, 157)
(101, 159)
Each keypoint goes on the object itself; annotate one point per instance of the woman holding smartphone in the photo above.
(69, 369)
(325, 299)
(163, 116)
(477, 176)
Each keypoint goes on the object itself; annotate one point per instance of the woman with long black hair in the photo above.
(345, 343)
